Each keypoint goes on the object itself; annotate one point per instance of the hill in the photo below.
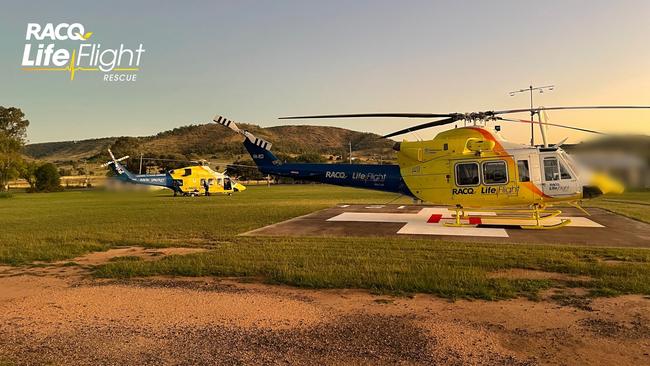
(212, 141)
(68, 150)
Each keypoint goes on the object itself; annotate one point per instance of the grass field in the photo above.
(48, 227)
(62, 225)
(632, 204)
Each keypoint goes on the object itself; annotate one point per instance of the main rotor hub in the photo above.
(478, 116)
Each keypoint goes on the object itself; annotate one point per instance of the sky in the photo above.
(255, 61)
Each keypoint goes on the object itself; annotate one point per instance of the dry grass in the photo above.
(59, 226)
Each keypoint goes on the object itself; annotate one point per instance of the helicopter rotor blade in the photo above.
(244, 166)
(552, 124)
(375, 115)
(487, 115)
(423, 126)
(114, 161)
(252, 138)
(449, 115)
(508, 111)
(176, 160)
(228, 123)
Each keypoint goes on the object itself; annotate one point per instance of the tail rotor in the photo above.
(115, 162)
(249, 136)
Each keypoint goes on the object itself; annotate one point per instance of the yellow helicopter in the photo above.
(188, 181)
(470, 167)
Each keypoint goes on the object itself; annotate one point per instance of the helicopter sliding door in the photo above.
(557, 179)
(528, 171)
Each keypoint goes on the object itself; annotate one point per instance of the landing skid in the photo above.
(563, 222)
(536, 215)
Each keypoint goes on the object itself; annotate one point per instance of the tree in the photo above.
(13, 130)
(310, 158)
(10, 159)
(14, 124)
(47, 178)
(27, 171)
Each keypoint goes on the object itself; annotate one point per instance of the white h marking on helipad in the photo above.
(416, 223)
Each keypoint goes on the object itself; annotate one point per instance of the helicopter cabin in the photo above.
(194, 180)
(472, 166)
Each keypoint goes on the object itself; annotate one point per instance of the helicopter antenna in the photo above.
(530, 90)
(417, 136)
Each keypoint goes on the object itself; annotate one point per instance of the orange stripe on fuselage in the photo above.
(533, 188)
(498, 148)
(487, 135)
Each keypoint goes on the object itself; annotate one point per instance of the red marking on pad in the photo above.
(434, 219)
(475, 221)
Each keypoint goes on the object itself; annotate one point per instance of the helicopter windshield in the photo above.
(555, 168)
(570, 162)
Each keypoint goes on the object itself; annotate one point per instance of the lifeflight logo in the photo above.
(116, 64)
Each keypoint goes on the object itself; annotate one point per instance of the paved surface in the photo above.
(602, 228)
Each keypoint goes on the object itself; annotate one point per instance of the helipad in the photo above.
(601, 228)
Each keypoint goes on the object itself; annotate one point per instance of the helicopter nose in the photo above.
(602, 184)
(239, 187)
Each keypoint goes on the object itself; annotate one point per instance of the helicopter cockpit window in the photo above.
(568, 160)
(551, 169)
(467, 174)
(524, 172)
(564, 173)
(495, 172)
(187, 172)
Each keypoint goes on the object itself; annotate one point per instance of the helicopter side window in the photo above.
(564, 173)
(210, 181)
(524, 172)
(551, 169)
(467, 174)
(187, 172)
(495, 172)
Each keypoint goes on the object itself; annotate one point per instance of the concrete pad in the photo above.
(428, 229)
(602, 228)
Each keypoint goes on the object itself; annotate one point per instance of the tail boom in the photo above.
(123, 174)
(378, 177)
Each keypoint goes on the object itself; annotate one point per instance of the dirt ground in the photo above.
(59, 315)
